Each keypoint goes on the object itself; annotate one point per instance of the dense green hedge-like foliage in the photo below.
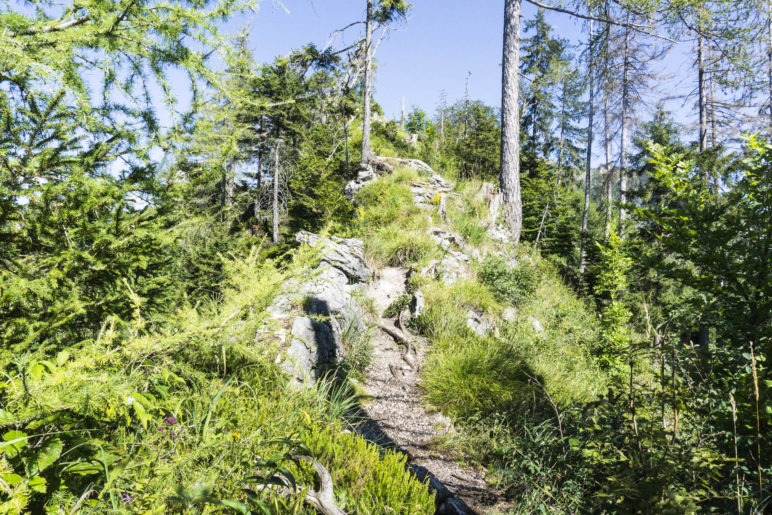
(514, 284)
(163, 419)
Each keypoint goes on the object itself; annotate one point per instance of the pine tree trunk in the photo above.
(703, 102)
(366, 153)
(442, 116)
(402, 118)
(703, 331)
(231, 186)
(588, 162)
(607, 137)
(623, 142)
(510, 120)
(466, 122)
(275, 234)
(769, 65)
(345, 137)
(712, 104)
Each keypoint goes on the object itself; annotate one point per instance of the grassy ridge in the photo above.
(145, 419)
(507, 389)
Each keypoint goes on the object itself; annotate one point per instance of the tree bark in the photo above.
(607, 137)
(623, 142)
(588, 162)
(275, 234)
(509, 178)
(466, 121)
(366, 152)
(703, 101)
(769, 64)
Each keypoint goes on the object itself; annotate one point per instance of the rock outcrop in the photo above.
(327, 298)
(369, 172)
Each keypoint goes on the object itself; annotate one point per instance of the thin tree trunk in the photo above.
(366, 153)
(703, 330)
(275, 235)
(769, 65)
(712, 100)
(607, 137)
(588, 161)
(442, 115)
(231, 186)
(703, 107)
(466, 120)
(510, 120)
(345, 137)
(623, 142)
(402, 119)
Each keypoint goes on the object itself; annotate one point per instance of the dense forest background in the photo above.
(137, 260)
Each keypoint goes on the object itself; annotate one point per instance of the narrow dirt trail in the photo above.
(397, 418)
(392, 411)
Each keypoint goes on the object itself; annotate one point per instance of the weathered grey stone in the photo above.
(451, 267)
(479, 324)
(453, 506)
(417, 304)
(415, 164)
(343, 254)
(509, 315)
(536, 324)
(382, 167)
(441, 492)
(430, 269)
(500, 233)
(364, 177)
(313, 345)
(327, 290)
(439, 235)
(440, 183)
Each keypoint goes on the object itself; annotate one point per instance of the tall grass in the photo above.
(176, 416)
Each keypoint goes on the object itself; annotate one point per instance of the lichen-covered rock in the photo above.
(453, 506)
(536, 324)
(313, 345)
(440, 235)
(509, 315)
(417, 304)
(415, 164)
(500, 233)
(347, 255)
(365, 176)
(481, 325)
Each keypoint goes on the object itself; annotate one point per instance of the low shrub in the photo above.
(514, 284)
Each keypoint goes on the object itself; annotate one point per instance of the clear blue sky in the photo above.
(437, 46)
(441, 41)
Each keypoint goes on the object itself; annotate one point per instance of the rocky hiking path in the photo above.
(395, 414)
(318, 309)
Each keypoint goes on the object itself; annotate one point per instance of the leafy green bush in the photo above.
(174, 416)
(513, 284)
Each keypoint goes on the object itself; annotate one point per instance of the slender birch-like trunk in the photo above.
(366, 152)
(588, 161)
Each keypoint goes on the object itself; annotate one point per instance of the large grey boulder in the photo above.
(481, 325)
(313, 346)
(417, 304)
(327, 290)
(365, 176)
(415, 164)
(347, 255)
(445, 238)
(453, 506)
